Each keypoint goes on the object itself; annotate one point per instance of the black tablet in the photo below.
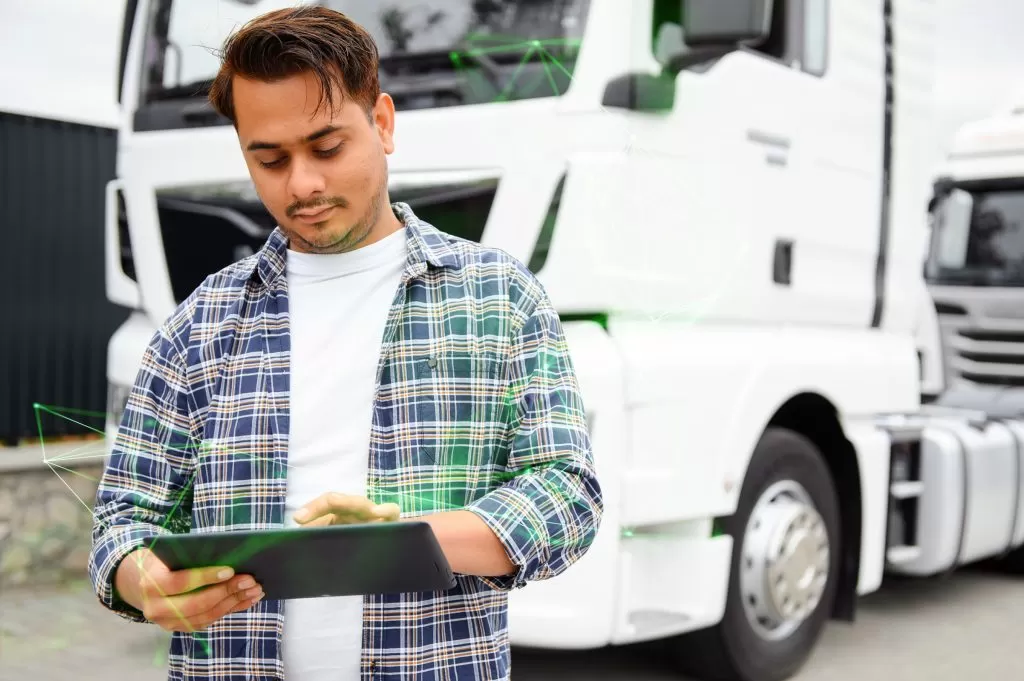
(337, 560)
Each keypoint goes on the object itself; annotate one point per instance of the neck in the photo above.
(387, 224)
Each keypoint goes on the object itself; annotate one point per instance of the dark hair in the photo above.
(287, 42)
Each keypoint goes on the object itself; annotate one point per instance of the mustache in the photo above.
(295, 207)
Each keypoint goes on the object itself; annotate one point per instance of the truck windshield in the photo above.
(433, 54)
(987, 247)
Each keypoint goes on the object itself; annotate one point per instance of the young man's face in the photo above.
(322, 175)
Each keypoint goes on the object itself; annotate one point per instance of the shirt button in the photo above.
(432, 362)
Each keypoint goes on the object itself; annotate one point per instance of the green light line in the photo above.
(532, 49)
(499, 49)
(76, 457)
(84, 452)
(160, 657)
(510, 43)
(515, 75)
(39, 422)
(70, 410)
(73, 472)
(544, 56)
(78, 498)
(557, 63)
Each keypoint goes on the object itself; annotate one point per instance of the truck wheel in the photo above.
(784, 568)
(1013, 562)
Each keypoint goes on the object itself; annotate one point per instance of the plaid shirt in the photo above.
(477, 407)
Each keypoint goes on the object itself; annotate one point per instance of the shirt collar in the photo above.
(427, 246)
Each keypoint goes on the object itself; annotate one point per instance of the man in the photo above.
(363, 366)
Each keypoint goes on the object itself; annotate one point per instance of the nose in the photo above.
(304, 181)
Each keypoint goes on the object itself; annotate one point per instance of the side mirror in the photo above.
(726, 22)
(714, 28)
(952, 229)
(710, 29)
(641, 92)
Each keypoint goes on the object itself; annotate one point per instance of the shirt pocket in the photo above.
(459, 406)
(458, 427)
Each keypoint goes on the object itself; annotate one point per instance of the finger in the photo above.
(315, 509)
(185, 581)
(240, 588)
(332, 502)
(322, 521)
(366, 512)
(234, 602)
(183, 608)
(195, 611)
(173, 611)
(246, 603)
(388, 511)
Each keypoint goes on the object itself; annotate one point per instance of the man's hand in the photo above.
(344, 509)
(182, 600)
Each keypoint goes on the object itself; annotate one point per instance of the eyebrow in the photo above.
(326, 130)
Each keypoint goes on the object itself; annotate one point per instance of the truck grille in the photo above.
(989, 356)
(231, 225)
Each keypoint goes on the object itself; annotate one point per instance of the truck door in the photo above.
(792, 168)
(815, 209)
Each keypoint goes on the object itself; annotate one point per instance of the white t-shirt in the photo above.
(339, 305)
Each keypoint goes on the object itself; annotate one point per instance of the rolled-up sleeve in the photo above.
(145, 490)
(548, 511)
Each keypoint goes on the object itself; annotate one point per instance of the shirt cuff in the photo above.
(513, 517)
(107, 557)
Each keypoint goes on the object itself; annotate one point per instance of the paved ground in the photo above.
(966, 627)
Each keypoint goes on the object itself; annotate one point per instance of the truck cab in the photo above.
(724, 200)
(975, 267)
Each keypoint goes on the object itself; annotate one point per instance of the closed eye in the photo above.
(320, 153)
(273, 164)
(327, 153)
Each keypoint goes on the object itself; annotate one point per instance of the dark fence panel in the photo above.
(55, 319)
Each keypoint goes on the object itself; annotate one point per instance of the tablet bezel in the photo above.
(311, 562)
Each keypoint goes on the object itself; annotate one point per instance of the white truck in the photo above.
(975, 268)
(725, 200)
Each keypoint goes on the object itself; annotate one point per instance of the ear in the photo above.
(384, 121)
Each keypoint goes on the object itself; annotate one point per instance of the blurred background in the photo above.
(81, 295)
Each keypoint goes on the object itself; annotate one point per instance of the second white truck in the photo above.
(975, 269)
(725, 201)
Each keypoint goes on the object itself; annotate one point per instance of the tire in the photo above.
(1012, 563)
(734, 650)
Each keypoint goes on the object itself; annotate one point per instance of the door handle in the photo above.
(777, 146)
(768, 139)
(782, 262)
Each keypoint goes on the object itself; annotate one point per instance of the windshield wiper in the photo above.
(973, 277)
(414, 77)
(429, 78)
(434, 61)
